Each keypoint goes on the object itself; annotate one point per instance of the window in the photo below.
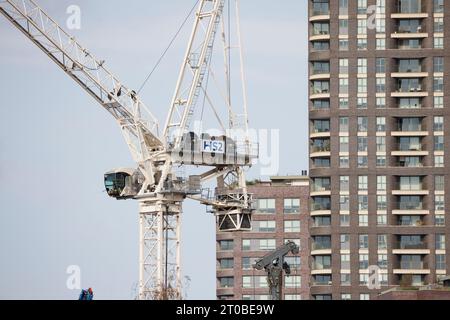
(363, 241)
(381, 144)
(292, 281)
(344, 162)
(363, 261)
(264, 226)
(381, 203)
(363, 279)
(438, 124)
(381, 85)
(438, 64)
(438, 6)
(362, 144)
(381, 161)
(362, 44)
(363, 220)
(343, 144)
(364, 296)
(343, 44)
(362, 66)
(294, 262)
(381, 124)
(226, 282)
(343, 103)
(382, 261)
(362, 85)
(321, 45)
(438, 143)
(362, 162)
(362, 103)
(346, 296)
(322, 262)
(439, 220)
(380, 65)
(439, 183)
(439, 203)
(440, 242)
(247, 263)
(291, 205)
(265, 206)
(380, 25)
(363, 203)
(381, 6)
(227, 263)
(381, 183)
(381, 43)
(345, 262)
(343, 7)
(362, 6)
(381, 219)
(438, 84)
(343, 124)
(439, 161)
(344, 220)
(362, 26)
(343, 26)
(438, 42)
(362, 124)
(254, 282)
(438, 25)
(343, 66)
(320, 104)
(345, 242)
(292, 226)
(438, 102)
(440, 262)
(321, 28)
(343, 86)
(346, 279)
(382, 241)
(267, 244)
(344, 183)
(226, 245)
(381, 103)
(362, 183)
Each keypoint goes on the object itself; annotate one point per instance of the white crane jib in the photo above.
(155, 184)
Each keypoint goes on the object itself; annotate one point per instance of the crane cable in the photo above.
(168, 47)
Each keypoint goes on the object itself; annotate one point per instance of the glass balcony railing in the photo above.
(409, 147)
(410, 265)
(410, 205)
(320, 206)
(321, 246)
(320, 9)
(324, 148)
(406, 245)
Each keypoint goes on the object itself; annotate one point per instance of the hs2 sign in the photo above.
(213, 146)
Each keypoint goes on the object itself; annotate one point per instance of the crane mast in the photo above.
(155, 183)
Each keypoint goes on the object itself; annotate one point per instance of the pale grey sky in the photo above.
(56, 142)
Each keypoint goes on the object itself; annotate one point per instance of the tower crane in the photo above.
(156, 183)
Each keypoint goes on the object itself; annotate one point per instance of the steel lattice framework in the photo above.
(159, 192)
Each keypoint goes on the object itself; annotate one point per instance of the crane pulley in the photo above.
(155, 183)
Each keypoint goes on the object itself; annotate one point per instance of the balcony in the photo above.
(319, 93)
(409, 68)
(320, 11)
(321, 248)
(410, 208)
(318, 151)
(409, 149)
(411, 267)
(409, 87)
(320, 190)
(320, 129)
(409, 162)
(409, 29)
(321, 207)
(410, 247)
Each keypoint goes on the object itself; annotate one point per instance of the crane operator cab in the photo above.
(122, 183)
